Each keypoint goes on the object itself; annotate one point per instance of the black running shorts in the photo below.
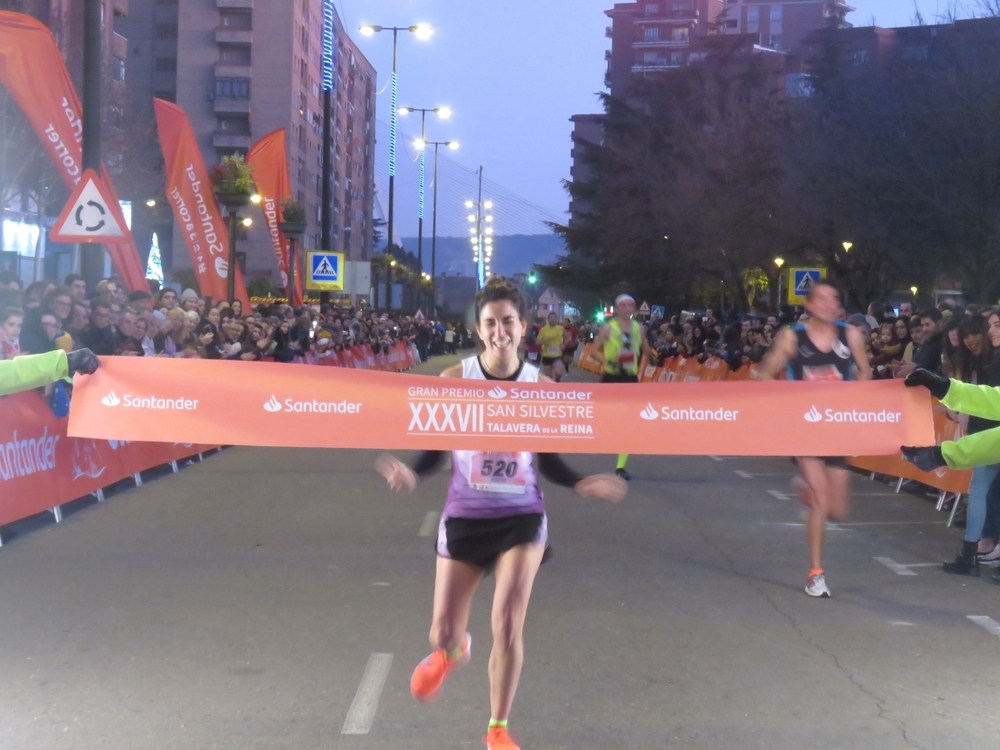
(480, 541)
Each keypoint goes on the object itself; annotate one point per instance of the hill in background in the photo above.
(511, 254)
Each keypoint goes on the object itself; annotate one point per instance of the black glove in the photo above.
(82, 361)
(925, 459)
(938, 385)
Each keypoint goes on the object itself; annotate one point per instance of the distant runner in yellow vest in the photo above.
(619, 346)
(550, 338)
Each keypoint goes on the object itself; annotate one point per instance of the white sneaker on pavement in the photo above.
(816, 586)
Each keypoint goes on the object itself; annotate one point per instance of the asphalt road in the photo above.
(252, 600)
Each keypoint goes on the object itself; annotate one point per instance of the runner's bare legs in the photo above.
(826, 494)
(515, 573)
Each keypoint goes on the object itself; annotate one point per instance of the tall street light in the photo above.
(453, 145)
(481, 233)
(422, 31)
(779, 262)
(444, 113)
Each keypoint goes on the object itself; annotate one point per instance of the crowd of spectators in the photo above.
(112, 322)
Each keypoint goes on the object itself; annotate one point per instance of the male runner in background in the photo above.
(618, 347)
(550, 337)
(821, 349)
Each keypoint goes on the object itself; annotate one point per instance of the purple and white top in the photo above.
(493, 484)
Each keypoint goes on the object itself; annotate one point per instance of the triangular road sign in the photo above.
(324, 268)
(90, 215)
(419, 314)
(643, 308)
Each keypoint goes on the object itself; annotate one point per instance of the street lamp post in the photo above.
(779, 262)
(482, 239)
(444, 113)
(453, 145)
(422, 31)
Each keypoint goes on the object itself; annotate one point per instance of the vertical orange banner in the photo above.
(32, 69)
(269, 160)
(189, 191)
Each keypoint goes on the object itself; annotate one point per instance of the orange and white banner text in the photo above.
(264, 404)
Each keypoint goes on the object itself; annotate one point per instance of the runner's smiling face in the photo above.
(501, 329)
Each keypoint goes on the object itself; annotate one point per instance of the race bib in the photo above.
(532, 356)
(498, 472)
(821, 373)
(626, 358)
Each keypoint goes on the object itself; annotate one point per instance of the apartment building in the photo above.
(242, 68)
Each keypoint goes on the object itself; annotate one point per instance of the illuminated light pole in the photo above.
(779, 262)
(422, 31)
(453, 145)
(444, 113)
(847, 246)
(481, 237)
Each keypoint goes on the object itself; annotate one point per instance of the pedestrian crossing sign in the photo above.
(801, 281)
(325, 271)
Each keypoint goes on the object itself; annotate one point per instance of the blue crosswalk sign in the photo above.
(657, 311)
(802, 281)
(325, 271)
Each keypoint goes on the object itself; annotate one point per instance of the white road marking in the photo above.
(716, 458)
(986, 623)
(896, 523)
(362, 711)
(743, 474)
(900, 622)
(381, 583)
(430, 523)
(778, 495)
(895, 567)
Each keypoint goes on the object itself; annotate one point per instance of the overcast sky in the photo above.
(514, 71)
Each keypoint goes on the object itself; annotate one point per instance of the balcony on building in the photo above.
(119, 7)
(230, 35)
(229, 106)
(681, 15)
(119, 46)
(234, 4)
(225, 139)
(662, 43)
(229, 70)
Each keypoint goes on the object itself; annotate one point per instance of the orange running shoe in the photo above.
(498, 739)
(431, 673)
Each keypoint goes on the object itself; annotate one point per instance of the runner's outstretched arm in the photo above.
(35, 370)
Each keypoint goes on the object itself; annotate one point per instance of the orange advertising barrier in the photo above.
(948, 480)
(40, 467)
(253, 403)
(685, 370)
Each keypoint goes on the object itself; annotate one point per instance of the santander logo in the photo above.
(221, 268)
(272, 405)
(649, 413)
(497, 392)
(813, 415)
(111, 399)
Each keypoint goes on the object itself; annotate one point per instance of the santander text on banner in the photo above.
(250, 403)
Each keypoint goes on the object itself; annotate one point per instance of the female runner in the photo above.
(490, 522)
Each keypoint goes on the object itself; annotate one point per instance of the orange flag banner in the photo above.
(267, 404)
(269, 160)
(33, 71)
(189, 191)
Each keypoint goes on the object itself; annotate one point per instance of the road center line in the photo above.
(430, 523)
(715, 458)
(987, 623)
(362, 711)
(743, 474)
(778, 495)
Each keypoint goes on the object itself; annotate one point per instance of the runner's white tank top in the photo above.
(493, 484)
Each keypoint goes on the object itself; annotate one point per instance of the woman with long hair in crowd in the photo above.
(950, 343)
(492, 520)
(972, 362)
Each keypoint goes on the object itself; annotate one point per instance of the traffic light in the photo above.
(599, 316)
(532, 277)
